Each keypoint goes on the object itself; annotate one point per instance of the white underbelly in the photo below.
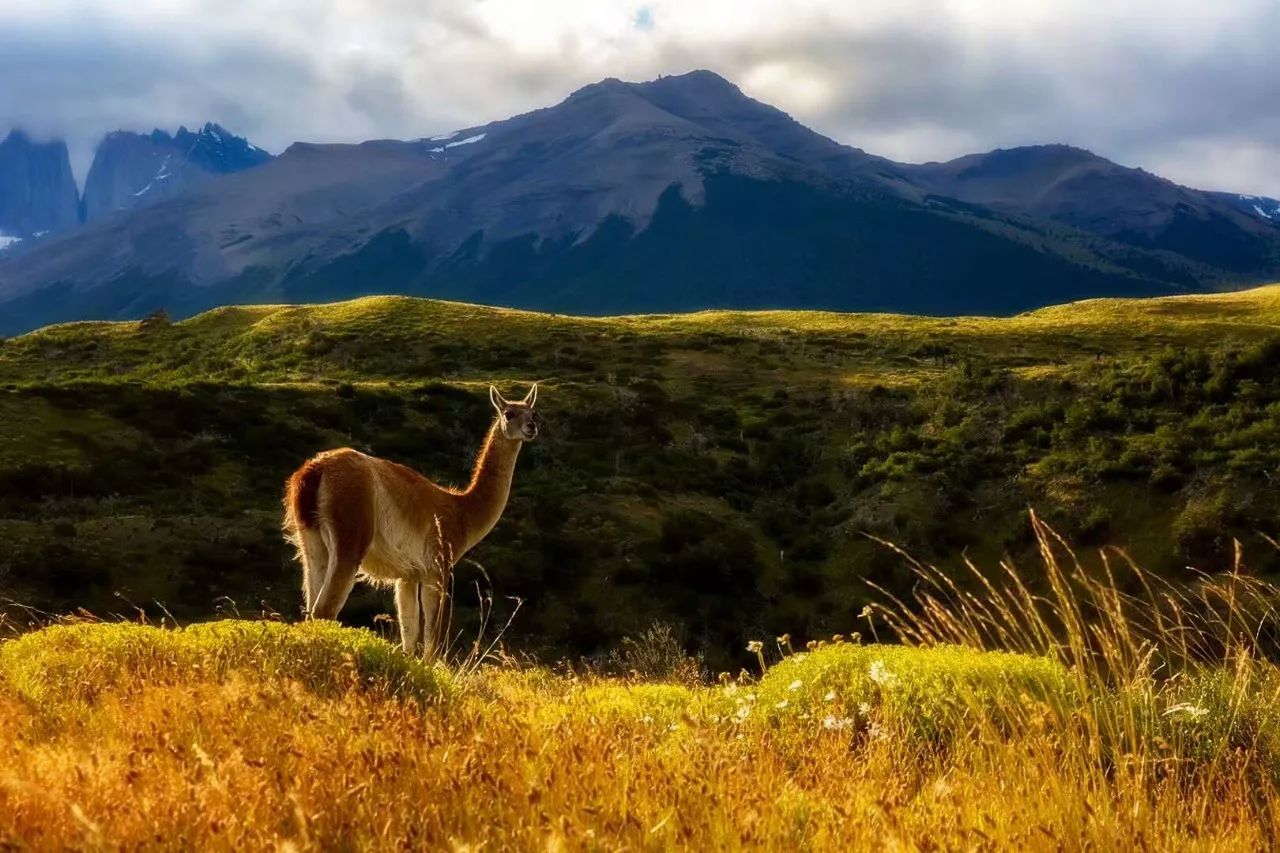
(392, 560)
(398, 551)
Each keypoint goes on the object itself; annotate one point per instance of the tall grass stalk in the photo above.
(1172, 684)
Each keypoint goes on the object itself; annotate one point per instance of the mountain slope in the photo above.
(1080, 189)
(37, 190)
(673, 194)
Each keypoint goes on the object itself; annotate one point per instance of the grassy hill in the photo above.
(717, 471)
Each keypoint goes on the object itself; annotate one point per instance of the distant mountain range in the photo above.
(674, 194)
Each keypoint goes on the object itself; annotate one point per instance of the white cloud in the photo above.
(1184, 88)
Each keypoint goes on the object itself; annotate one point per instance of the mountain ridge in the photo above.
(670, 194)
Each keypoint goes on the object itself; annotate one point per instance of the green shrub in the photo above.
(1216, 711)
(656, 653)
(931, 694)
(69, 662)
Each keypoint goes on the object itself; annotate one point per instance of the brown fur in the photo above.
(350, 514)
(302, 494)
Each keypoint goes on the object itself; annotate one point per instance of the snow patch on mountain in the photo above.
(468, 141)
(1260, 205)
(161, 174)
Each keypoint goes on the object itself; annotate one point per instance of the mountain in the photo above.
(132, 169)
(675, 194)
(1080, 189)
(37, 190)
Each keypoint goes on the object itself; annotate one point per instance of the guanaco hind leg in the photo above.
(339, 578)
(315, 563)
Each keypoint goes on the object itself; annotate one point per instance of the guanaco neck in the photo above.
(485, 497)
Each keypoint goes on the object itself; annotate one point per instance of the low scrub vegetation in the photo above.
(716, 471)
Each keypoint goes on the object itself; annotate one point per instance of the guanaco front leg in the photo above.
(430, 597)
(409, 614)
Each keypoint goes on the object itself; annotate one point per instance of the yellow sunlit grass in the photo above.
(1111, 721)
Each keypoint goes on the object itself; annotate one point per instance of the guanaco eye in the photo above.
(509, 413)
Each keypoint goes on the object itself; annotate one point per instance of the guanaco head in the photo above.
(517, 420)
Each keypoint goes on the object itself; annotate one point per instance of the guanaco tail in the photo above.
(353, 516)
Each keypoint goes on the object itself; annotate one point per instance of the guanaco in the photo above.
(353, 516)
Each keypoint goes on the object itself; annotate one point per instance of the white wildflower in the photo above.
(1195, 712)
(880, 675)
(795, 685)
(784, 703)
(830, 697)
(836, 724)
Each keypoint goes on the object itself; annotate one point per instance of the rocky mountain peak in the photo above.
(131, 169)
(37, 190)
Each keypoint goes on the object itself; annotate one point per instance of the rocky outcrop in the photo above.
(37, 189)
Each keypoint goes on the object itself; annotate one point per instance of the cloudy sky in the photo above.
(1186, 88)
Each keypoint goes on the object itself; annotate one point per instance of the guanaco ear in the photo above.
(532, 396)
(496, 399)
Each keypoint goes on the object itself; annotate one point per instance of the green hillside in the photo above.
(718, 471)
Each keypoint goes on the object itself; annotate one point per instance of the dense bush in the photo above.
(63, 663)
(931, 694)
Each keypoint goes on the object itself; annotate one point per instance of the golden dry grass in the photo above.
(244, 763)
(1112, 721)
